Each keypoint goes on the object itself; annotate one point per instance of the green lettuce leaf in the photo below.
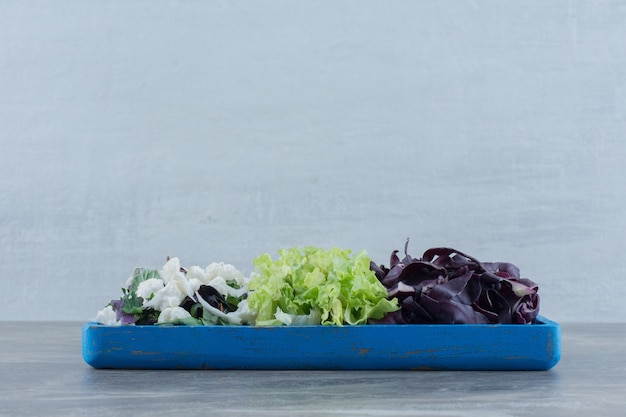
(310, 282)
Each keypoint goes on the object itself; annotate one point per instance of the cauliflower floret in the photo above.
(219, 275)
(107, 317)
(172, 314)
(171, 270)
(147, 288)
(227, 271)
(171, 273)
(195, 272)
(196, 277)
(167, 297)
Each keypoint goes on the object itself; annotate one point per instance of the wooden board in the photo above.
(375, 347)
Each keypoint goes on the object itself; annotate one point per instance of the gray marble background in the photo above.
(217, 131)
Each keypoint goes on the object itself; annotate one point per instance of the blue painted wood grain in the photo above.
(374, 347)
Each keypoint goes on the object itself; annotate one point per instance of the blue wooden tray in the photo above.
(376, 347)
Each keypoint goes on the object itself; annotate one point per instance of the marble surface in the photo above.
(43, 373)
(221, 130)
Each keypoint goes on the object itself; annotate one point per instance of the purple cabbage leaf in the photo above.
(448, 286)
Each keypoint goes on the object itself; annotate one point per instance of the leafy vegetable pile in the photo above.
(310, 286)
(178, 295)
(313, 286)
(448, 286)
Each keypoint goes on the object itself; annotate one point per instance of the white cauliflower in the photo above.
(168, 297)
(146, 289)
(227, 271)
(107, 317)
(171, 314)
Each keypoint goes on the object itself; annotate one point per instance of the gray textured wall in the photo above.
(216, 131)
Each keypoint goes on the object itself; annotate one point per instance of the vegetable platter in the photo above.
(327, 309)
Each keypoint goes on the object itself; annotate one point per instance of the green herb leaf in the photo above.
(133, 303)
